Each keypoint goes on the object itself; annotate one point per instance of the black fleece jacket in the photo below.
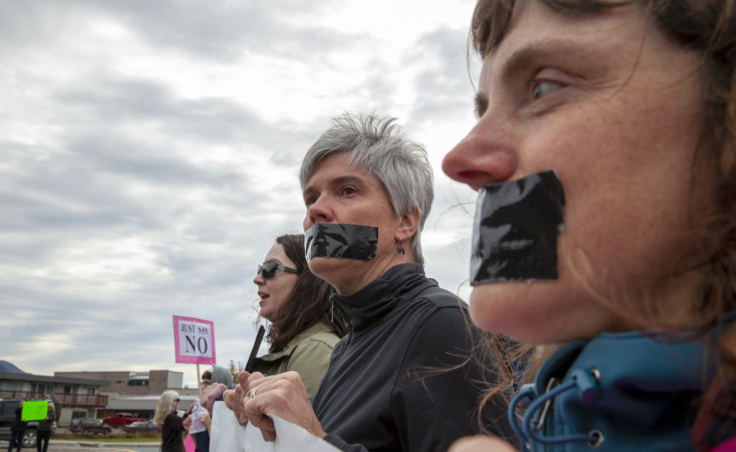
(391, 385)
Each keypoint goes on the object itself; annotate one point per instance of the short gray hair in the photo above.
(377, 144)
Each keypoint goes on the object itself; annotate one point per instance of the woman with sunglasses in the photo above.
(303, 327)
(172, 425)
(618, 120)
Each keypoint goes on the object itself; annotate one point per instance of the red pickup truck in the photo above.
(121, 419)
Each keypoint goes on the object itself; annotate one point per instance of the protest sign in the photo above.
(34, 410)
(194, 340)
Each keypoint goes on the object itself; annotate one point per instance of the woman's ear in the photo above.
(408, 224)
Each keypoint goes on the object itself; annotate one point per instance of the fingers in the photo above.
(228, 398)
(205, 419)
(243, 378)
(211, 394)
(282, 395)
(264, 424)
(480, 443)
(234, 401)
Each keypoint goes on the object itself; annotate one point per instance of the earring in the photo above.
(401, 249)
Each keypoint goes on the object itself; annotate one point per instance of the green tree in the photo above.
(235, 369)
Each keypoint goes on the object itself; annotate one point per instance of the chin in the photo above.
(540, 312)
(325, 267)
(515, 309)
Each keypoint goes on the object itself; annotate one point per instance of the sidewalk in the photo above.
(56, 445)
(92, 445)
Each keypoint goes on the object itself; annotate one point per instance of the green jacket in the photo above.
(308, 354)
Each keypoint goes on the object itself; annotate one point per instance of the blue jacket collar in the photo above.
(622, 391)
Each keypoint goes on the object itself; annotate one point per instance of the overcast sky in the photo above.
(150, 151)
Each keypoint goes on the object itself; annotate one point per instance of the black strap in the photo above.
(254, 352)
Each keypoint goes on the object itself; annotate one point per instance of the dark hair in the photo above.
(309, 302)
(707, 27)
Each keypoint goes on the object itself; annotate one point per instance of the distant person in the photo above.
(172, 425)
(206, 378)
(217, 374)
(201, 438)
(17, 429)
(43, 432)
(221, 375)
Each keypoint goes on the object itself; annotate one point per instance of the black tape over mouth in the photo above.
(343, 241)
(515, 231)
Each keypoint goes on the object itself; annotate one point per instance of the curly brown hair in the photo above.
(709, 28)
(309, 302)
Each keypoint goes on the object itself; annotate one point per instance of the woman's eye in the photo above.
(543, 87)
(349, 191)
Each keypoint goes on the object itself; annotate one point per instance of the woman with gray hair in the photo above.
(409, 354)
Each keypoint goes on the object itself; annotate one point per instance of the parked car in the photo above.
(89, 425)
(7, 415)
(142, 426)
(121, 419)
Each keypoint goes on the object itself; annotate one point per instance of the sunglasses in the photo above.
(269, 268)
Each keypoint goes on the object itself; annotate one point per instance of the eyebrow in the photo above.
(562, 49)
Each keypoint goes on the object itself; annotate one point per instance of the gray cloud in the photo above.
(128, 196)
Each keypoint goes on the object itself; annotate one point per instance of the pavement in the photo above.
(92, 446)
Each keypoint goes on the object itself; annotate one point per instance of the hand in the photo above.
(187, 423)
(282, 395)
(234, 398)
(211, 394)
(480, 443)
(206, 420)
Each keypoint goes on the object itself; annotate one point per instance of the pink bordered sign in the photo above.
(194, 340)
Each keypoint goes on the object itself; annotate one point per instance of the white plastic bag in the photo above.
(226, 435)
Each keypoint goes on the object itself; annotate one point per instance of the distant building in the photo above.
(128, 383)
(95, 394)
(72, 397)
(136, 392)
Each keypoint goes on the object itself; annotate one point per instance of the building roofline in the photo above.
(48, 379)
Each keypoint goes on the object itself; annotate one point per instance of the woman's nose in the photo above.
(318, 212)
(258, 280)
(481, 158)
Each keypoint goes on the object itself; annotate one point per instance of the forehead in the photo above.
(337, 167)
(535, 28)
(277, 252)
